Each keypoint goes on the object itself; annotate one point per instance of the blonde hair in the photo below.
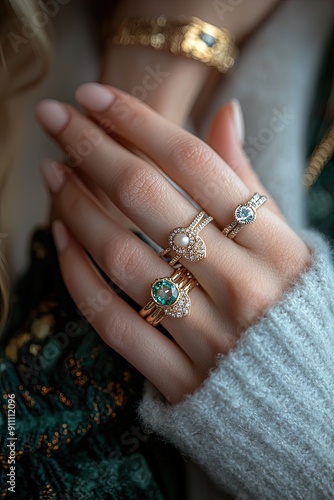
(24, 58)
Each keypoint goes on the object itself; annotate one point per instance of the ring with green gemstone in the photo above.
(244, 214)
(169, 297)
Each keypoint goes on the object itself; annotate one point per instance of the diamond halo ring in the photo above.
(244, 214)
(186, 243)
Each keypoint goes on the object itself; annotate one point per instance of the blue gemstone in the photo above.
(244, 214)
(209, 40)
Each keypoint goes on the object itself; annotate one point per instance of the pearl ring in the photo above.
(186, 243)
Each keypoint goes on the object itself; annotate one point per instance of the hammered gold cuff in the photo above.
(193, 38)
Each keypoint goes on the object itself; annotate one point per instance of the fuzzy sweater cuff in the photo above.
(262, 424)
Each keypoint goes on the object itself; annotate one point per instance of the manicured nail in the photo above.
(94, 96)
(60, 235)
(54, 174)
(238, 119)
(53, 115)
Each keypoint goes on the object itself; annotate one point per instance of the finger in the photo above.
(137, 188)
(133, 266)
(153, 354)
(191, 163)
(226, 138)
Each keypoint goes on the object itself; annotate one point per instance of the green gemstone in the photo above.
(164, 292)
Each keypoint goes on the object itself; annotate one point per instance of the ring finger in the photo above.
(132, 265)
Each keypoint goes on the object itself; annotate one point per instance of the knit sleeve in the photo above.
(262, 424)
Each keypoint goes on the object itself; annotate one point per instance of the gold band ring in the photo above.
(244, 214)
(169, 297)
(186, 243)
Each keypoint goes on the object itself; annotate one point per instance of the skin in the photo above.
(239, 279)
(175, 96)
(189, 84)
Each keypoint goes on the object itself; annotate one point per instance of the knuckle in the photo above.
(139, 188)
(188, 152)
(117, 330)
(121, 258)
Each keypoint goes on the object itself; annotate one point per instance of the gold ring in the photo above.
(244, 214)
(186, 243)
(169, 297)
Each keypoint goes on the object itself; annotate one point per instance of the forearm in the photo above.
(179, 79)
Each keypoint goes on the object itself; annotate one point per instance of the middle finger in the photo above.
(136, 187)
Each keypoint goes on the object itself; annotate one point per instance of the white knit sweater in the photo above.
(262, 425)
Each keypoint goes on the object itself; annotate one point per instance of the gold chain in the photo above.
(320, 156)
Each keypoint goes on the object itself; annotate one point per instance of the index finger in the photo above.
(187, 160)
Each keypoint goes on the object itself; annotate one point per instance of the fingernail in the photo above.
(53, 115)
(238, 119)
(94, 96)
(54, 174)
(60, 235)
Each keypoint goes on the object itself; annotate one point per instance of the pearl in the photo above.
(181, 240)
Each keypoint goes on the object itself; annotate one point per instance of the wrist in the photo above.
(240, 20)
(169, 84)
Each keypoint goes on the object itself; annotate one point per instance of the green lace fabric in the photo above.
(75, 399)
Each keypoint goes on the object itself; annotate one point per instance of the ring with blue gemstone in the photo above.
(169, 297)
(244, 214)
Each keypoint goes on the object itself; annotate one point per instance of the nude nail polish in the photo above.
(94, 96)
(53, 115)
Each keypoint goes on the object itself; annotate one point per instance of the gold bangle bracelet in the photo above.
(193, 38)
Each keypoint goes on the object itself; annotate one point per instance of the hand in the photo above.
(178, 85)
(239, 279)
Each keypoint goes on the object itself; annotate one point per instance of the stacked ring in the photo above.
(244, 214)
(186, 243)
(169, 297)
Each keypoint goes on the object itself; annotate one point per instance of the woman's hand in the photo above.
(239, 279)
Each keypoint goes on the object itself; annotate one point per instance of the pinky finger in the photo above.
(158, 358)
